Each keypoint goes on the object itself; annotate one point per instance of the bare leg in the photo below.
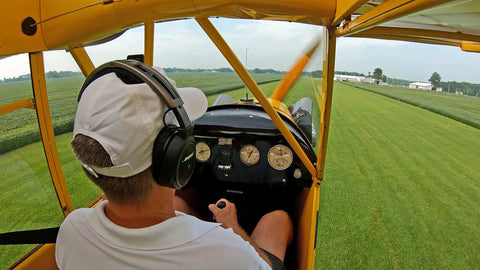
(274, 233)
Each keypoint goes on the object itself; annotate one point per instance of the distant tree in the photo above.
(316, 73)
(435, 80)
(224, 70)
(377, 73)
(384, 78)
(465, 87)
(349, 73)
(399, 82)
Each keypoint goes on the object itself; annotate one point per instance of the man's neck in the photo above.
(157, 207)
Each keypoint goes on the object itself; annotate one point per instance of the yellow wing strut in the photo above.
(46, 131)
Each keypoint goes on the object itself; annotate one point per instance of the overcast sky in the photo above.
(274, 45)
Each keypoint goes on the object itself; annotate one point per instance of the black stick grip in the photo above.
(221, 204)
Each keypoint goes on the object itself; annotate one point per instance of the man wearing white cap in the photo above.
(128, 115)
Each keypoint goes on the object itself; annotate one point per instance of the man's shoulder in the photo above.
(78, 215)
(72, 223)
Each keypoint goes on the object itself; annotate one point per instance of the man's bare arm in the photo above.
(228, 217)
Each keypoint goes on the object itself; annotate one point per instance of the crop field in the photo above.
(401, 189)
(20, 128)
(465, 109)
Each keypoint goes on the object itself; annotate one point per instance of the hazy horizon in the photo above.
(269, 44)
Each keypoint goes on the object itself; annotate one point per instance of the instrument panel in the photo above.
(279, 156)
(240, 145)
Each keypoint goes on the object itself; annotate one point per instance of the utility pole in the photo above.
(246, 59)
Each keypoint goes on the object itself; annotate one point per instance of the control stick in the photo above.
(221, 204)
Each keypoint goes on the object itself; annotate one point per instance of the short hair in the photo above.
(133, 189)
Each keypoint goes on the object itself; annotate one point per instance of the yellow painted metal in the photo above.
(317, 92)
(326, 105)
(385, 12)
(305, 11)
(345, 9)
(12, 39)
(470, 47)
(415, 33)
(280, 107)
(46, 131)
(444, 35)
(41, 257)
(292, 76)
(74, 23)
(24, 103)
(307, 227)
(408, 38)
(223, 47)
(83, 60)
(149, 40)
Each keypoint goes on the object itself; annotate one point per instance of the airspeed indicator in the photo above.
(280, 157)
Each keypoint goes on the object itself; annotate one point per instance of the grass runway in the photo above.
(401, 187)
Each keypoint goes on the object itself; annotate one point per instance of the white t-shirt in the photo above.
(89, 240)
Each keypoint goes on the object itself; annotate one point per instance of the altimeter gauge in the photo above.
(249, 154)
(202, 151)
(280, 157)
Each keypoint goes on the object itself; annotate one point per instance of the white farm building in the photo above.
(420, 85)
(350, 78)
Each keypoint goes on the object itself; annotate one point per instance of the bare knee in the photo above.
(274, 232)
(277, 215)
(280, 220)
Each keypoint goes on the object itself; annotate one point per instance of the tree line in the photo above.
(319, 73)
(201, 70)
(465, 88)
(48, 75)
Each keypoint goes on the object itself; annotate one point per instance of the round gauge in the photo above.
(249, 154)
(280, 157)
(202, 151)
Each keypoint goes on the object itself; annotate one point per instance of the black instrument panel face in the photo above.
(229, 151)
(226, 164)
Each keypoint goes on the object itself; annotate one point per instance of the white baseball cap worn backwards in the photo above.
(126, 118)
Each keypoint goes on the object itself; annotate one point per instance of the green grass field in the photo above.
(401, 188)
(465, 109)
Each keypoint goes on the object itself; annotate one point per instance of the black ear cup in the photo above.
(173, 157)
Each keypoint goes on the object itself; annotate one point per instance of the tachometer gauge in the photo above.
(280, 157)
(202, 151)
(249, 154)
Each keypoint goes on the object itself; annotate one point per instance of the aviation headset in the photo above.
(173, 155)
